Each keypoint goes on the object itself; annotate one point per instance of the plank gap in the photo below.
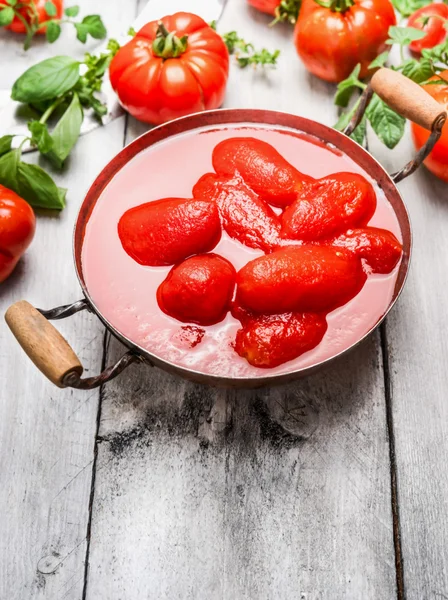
(393, 466)
(95, 456)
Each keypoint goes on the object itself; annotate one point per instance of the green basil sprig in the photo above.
(90, 25)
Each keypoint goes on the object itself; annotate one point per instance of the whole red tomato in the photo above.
(332, 37)
(437, 161)
(266, 6)
(171, 68)
(430, 19)
(33, 11)
(17, 226)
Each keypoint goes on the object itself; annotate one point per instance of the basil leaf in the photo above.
(40, 136)
(5, 144)
(6, 16)
(53, 31)
(346, 87)
(11, 2)
(386, 123)
(46, 80)
(403, 36)
(8, 169)
(360, 132)
(66, 132)
(380, 60)
(81, 32)
(50, 9)
(95, 26)
(71, 11)
(38, 188)
(407, 7)
(417, 70)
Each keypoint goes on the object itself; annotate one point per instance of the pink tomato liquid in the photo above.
(125, 292)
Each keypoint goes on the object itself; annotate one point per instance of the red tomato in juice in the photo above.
(34, 13)
(17, 226)
(171, 68)
(430, 19)
(332, 40)
(437, 161)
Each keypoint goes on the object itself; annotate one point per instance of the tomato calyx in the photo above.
(339, 6)
(168, 45)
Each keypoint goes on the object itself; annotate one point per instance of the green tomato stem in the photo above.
(167, 45)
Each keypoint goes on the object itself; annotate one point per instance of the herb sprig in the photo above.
(57, 89)
(90, 25)
(386, 123)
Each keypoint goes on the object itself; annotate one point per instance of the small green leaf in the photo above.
(380, 60)
(53, 31)
(403, 36)
(8, 170)
(359, 133)
(71, 11)
(346, 87)
(417, 70)
(81, 32)
(6, 16)
(50, 9)
(95, 26)
(5, 144)
(66, 132)
(11, 2)
(38, 188)
(40, 136)
(46, 80)
(407, 7)
(132, 32)
(387, 124)
(212, 24)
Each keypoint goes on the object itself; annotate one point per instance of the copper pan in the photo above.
(50, 351)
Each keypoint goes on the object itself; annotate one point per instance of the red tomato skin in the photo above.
(17, 227)
(155, 90)
(437, 161)
(299, 279)
(245, 217)
(266, 6)
(167, 231)
(198, 290)
(435, 29)
(378, 247)
(330, 206)
(18, 27)
(331, 44)
(269, 341)
(261, 167)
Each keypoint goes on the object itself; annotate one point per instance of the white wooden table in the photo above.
(153, 488)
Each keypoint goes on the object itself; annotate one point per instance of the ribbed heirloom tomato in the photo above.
(171, 68)
(17, 226)
(333, 36)
(33, 11)
(437, 161)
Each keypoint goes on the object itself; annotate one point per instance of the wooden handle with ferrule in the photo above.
(43, 343)
(407, 98)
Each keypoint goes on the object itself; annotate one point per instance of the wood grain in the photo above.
(47, 435)
(407, 98)
(275, 494)
(42, 342)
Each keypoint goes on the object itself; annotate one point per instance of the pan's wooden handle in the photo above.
(407, 98)
(46, 347)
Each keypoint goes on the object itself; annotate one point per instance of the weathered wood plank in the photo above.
(47, 435)
(281, 493)
(417, 334)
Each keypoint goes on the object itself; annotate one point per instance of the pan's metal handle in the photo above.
(411, 101)
(50, 352)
